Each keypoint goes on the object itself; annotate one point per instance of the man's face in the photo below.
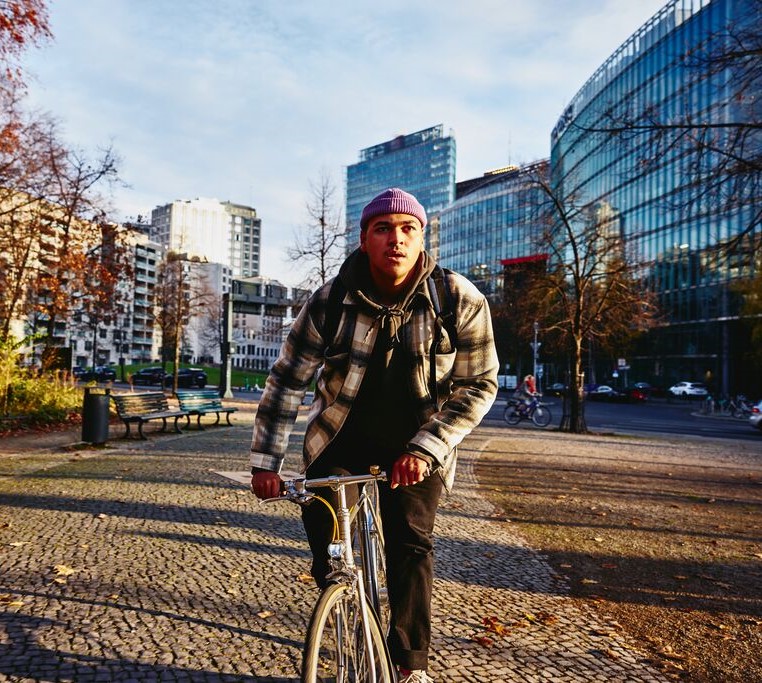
(393, 243)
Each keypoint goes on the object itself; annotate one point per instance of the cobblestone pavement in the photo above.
(138, 563)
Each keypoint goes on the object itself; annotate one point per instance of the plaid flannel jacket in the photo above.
(466, 376)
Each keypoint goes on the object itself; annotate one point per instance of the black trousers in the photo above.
(407, 515)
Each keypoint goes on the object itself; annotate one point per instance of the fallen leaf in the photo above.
(598, 539)
(606, 633)
(546, 618)
(304, 578)
(493, 624)
(63, 570)
(18, 544)
(265, 614)
(589, 581)
(484, 641)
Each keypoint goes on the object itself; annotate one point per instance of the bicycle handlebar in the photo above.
(296, 489)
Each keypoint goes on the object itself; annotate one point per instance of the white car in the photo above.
(688, 389)
(756, 416)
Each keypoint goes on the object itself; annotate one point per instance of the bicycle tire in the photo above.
(541, 416)
(374, 562)
(511, 415)
(336, 649)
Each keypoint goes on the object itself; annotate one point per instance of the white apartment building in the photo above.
(215, 231)
(131, 336)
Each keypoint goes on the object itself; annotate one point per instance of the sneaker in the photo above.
(415, 676)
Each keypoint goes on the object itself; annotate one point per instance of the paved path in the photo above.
(138, 563)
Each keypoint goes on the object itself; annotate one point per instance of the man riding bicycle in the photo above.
(377, 403)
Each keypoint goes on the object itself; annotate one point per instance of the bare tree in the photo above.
(320, 247)
(590, 292)
(179, 293)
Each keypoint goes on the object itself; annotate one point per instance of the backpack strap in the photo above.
(441, 300)
(333, 310)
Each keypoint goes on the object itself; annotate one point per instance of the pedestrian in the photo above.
(375, 404)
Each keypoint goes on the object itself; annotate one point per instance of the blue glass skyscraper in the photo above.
(422, 163)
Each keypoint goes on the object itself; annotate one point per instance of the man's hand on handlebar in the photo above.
(408, 470)
(266, 484)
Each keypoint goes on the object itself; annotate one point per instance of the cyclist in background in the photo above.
(526, 391)
(374, 404)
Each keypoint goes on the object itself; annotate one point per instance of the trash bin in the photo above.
(95, 415)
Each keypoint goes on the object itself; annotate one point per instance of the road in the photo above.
(656, 416)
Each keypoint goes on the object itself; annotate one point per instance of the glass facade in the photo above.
(422, 163)
(659, 135)
(490, 222)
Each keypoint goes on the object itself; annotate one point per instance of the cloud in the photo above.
(248, 101)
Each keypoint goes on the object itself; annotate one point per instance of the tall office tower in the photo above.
(664, 139)
(489, 226)
(422, 163)
(221, 232)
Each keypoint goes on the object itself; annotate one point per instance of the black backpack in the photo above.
(441, 300)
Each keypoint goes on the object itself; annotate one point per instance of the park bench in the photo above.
(202, 402)
(143, 407)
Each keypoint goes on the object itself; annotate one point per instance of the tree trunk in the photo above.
(573, 419)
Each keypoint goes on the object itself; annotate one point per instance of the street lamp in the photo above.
(535, 349)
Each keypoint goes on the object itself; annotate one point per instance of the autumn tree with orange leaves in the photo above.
(52, 205)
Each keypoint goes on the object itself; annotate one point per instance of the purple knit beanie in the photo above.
(393, 200)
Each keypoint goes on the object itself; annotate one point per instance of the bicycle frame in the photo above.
(362, 577)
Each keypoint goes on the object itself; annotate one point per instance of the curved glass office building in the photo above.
(667, 135)
(489, 224)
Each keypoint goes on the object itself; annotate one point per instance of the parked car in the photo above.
(187, 378)
(606, 393)
(556, 389)
(78, 372)
(100, 373)
(755, 419)
(689, 390)
(149, 376)
(636, 394)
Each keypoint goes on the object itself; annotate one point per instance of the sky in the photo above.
(252, 101)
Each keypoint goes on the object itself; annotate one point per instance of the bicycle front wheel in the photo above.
(541, 416)
(337, 648)
(512, 415)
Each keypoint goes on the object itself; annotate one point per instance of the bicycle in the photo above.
(346, 634)
(516, 410)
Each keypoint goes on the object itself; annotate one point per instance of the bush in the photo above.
(41, 399)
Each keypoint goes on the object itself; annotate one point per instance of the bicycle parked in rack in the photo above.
(346, 639)
(516, 411)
